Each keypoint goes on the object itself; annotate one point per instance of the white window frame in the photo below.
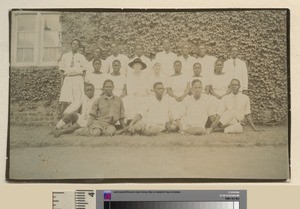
(38, 44)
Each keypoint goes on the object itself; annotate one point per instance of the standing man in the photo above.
(106, 111)
(139, 53)
(72, 67)
(207, 62)
(166, 58)
(235, 107)
(197, 110)
(115, 55)
(237, 68)
(97, 55)
(187, 60)
(158, 115)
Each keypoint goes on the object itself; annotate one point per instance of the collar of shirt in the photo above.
(109, 98)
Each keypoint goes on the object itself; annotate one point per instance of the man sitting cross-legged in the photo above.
(106, 111)
(157, 117)
(197, 110)
(75, 120)
(233, 109)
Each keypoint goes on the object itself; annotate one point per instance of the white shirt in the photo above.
(220, 83)
(145, 60)
(97, 80)
(167, 62)
(187, 65)
(208, 65)
(72, 64)
(86, 107)
(197, 111)
(152, 79)
(137, 85)
(156, 112)
(124, 63)
(119, 82)
(239, 104)
(178, 84)
(238, 71)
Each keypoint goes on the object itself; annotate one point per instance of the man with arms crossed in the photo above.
(232, 111)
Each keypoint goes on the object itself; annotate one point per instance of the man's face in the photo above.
(159, 90)
(116, 67)
(108, 89)
(97, 53)
(114, 49)
(75, 46)
(177, 67)
(197, 69)
(97, 66)
(219, 66)
(234, 52)
(81, 50)
(197, 89)
(89, 91)
(202, 50)
(235, 86)
(185, 49)
(137, 66)
(166, 45)
(139, 50)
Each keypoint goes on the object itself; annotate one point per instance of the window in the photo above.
(35, 38)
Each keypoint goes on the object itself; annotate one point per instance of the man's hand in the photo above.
(86, 131)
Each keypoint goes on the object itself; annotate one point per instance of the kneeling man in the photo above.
(158, 115)
(233, 109)
(106, 111)
(197, 110)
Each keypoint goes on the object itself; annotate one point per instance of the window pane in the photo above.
(26, 39)
(24, 54)
(51, 22)
(50, 54)
(51, 38)
(26, 22)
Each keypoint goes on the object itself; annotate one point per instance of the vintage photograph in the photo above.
(139, 95)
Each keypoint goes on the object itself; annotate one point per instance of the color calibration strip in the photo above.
(170, 205)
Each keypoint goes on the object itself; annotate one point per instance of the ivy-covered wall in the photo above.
(260, 34)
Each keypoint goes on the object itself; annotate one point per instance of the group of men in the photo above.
(141, 96)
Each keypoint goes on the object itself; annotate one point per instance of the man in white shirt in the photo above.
(197, 111)
(157, 116)
(76, 119)
(139, 53)
(197, 68)
(234, 108)
(207, 62)
(115, 55)
(118, 79)
(187, 60)
(166, 58)
(72, 67)
(237, 69)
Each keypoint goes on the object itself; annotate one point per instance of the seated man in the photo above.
(106, 111)
(77, 120)
(197, 110)
(157, 116)
(232, 111)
